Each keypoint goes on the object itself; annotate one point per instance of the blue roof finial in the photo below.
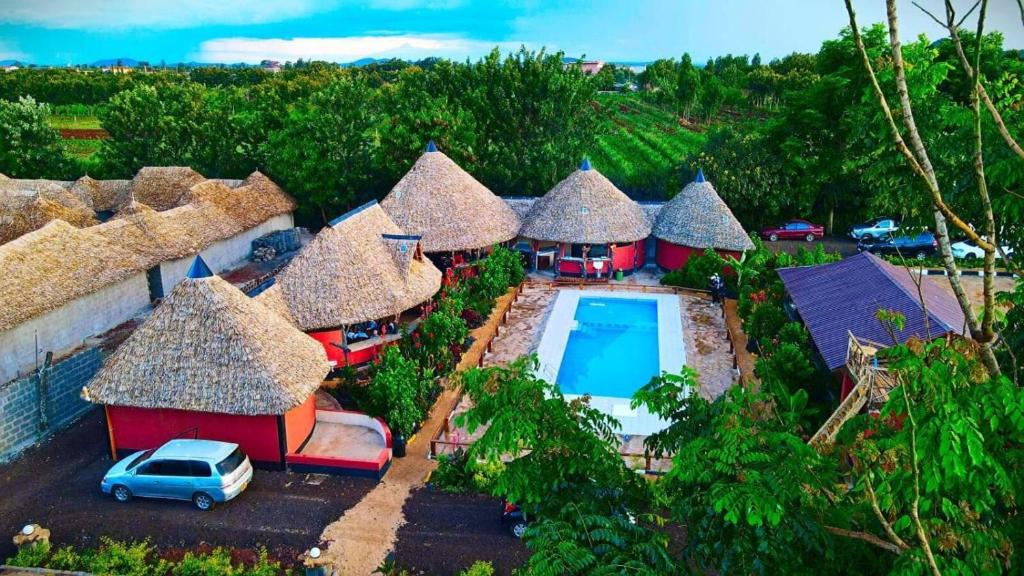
(199, 269)
(431, 147)
(700, 176)
(585, 165)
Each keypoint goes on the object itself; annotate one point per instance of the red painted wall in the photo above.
(335, 354)
(299, 423)
(144, 428)
(671, 256)
(622, 259)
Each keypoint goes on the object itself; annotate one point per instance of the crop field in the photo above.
(641, 146)
(75, 122)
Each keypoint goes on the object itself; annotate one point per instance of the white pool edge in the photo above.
(671, 351)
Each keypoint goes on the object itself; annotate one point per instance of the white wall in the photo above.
(220, 256)
(68, 326)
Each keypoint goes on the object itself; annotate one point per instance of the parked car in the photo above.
(203, 471)
(794, 230)
(968, 250)
(920, 246)
(874, 229)
(513, 518)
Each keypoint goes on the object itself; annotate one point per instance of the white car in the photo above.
(968, 250)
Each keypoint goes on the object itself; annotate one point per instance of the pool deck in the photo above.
(704, 335)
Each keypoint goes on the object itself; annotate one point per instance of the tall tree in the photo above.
(29, 146)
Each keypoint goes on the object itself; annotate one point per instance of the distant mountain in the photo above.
(129, 62)
(363, 62)
(11, 63)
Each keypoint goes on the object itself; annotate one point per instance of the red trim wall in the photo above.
(144, 428)
(623, 256)
(671, 256)
(328, 338)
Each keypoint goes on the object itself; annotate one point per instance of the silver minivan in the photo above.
(203, 471)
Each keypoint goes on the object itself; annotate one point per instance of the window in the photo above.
(140, 458)
(800, 226)
(199, 469)
(885, 224)
(154, 468)
(232, 462)
(176, 468)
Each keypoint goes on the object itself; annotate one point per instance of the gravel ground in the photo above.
(57, 486)
(445, 533)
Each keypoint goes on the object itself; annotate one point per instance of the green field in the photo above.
(641, 146)
(75, 122)
(82, 148)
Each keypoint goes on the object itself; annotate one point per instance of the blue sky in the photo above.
(81, 31)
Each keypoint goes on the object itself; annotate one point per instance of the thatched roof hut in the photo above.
(162, 187)
(105, 195)
(210, 348)
(698, 217)
(23, 211)
(359, 268)
(47, 268)
(450, 209)
(154, 236)
(251, 202)
(586, 208)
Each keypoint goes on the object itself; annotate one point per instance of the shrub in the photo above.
(124, 559)
(765, 321)
(32, 556)
(456, 474)
(696, 272)
(479, 568)
(395, 390)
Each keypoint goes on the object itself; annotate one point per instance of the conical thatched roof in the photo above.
(450, 209)
(105, 195)
(54, 265)
(24, 211)
(586, 208)
(210, 348)
(162, 187)
(351, 273)
(698, 217)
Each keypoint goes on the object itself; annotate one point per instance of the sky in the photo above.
(61, 32)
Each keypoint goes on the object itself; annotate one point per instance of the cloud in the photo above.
(345, 48)
(176, 14)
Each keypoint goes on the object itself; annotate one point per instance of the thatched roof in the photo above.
(351, 272)
(254, 201)
(699, 218)
(586, 208)
(162, 187)
(47, 268)
(451, 210)
(28, 205)
(210, 348)
(106, 195)
(154, 236)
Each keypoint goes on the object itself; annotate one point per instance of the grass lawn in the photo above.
(83, 148)
(640, 146)
(75, 122)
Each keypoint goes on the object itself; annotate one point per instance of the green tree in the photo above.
(29, 147)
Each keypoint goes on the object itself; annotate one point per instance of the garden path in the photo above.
(359, 541)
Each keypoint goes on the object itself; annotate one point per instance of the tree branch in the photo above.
(866, 537)
(886, 525)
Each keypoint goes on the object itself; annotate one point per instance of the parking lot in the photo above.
(57, 486)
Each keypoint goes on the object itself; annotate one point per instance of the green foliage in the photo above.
(697, 271)
(437, 342)
(393, 392)
(954, 435)
(29, 146)
(457, 474)
(33, 555)
(478, 568)
(748, 488)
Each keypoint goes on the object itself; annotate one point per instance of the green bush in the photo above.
(32, 556)
(124, 559)
(456, 474)
(696, 272)
(479, 568)
(765, 321)
(394, 390)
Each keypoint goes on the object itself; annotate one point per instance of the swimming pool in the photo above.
(608, 345)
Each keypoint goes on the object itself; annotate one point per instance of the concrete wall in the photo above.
(21, 411)
(66, 327)
(222, 255)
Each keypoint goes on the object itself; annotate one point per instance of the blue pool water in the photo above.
(614, 349)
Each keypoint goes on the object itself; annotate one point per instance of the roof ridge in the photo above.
(887, 268)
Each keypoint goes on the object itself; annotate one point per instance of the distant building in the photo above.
(11, 68)
(590, 67)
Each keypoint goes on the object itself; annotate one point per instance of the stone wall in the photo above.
(24, 420)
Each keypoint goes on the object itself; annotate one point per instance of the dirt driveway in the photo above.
(57, 486)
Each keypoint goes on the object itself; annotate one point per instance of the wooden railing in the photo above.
(871, 386)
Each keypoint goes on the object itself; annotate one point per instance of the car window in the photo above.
(153, 468)
(885, 224)
(199, 469)
(140, 458)
(176, 468)
(229, 464)
(801, 226)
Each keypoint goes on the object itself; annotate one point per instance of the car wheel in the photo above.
(970, 256)
(121, 493)
(203, 501)
(773, 237)
(810, 237)
(518, 529)
(867, 238)
(920, 255)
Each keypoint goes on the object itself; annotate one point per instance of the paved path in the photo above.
(361, 539)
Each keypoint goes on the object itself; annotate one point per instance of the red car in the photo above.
(794, 230)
